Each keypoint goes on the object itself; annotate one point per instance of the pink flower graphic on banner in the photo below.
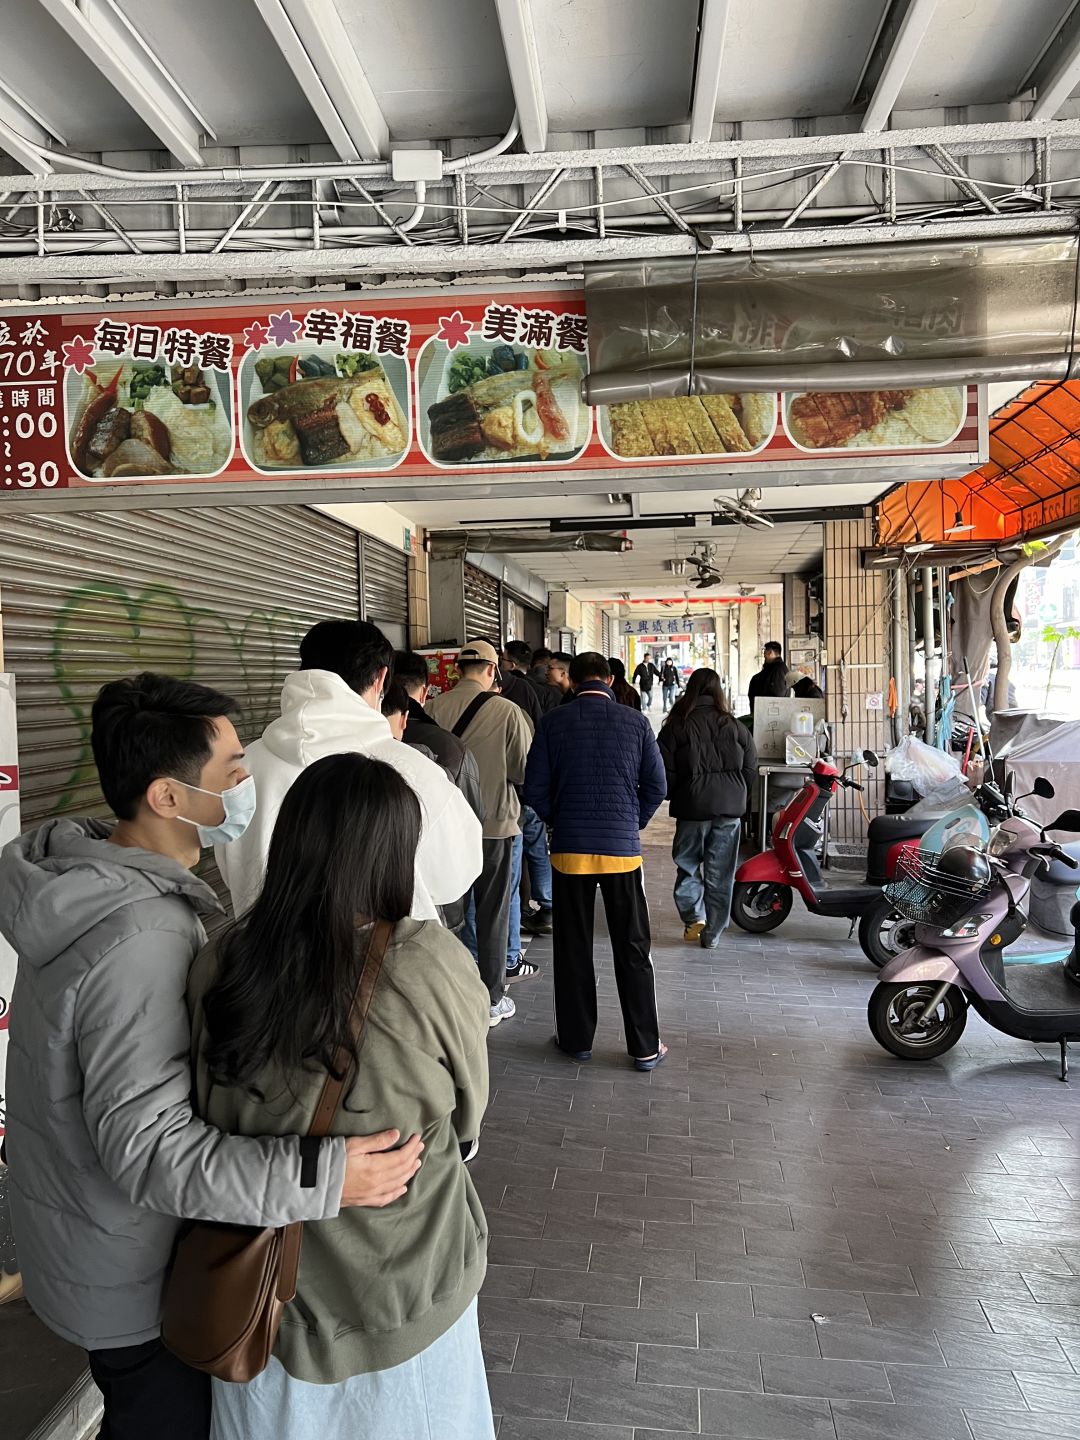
(453, 330)
(78, 354)
(284, 330)
(256, 336)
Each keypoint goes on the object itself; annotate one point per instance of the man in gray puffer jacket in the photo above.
(104, 1151)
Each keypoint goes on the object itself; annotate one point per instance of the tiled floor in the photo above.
(781, 1232)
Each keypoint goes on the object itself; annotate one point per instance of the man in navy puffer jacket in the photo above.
(595, 775)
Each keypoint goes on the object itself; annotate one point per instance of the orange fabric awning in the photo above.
(1030, 483)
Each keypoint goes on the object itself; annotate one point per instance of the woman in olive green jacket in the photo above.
(382, 1338)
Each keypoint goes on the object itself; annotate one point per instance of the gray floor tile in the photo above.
(585, 1285)
(1003, 1352)
(552, 1355)
(780, 1302)
(857, 1420)
(1027, 1425)
(912, 1383)
(707, 1369)
(510, 1282)
(758, 1337)
(872, 1342)
(647, 1325)
(827, 1379)
(517, 1428)
(608, 1401)
(765, 1417)
(531, 1317)
(609, 1260)
(543, 1396)
(1049, 1392)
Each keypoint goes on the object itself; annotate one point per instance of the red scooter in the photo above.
(764, 884)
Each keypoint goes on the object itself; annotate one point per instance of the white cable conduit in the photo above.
(329, 169)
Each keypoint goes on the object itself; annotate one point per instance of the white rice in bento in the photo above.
(199, 434)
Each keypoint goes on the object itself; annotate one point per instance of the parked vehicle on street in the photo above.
(974, 947)
(765, 885)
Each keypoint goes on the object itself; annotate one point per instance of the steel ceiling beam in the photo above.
(112, 47)
(712, 37)
(1056, 73)
(523, 61)
(311, 36)
(891, 58)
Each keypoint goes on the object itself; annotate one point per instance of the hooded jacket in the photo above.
(321, 716)
(103, 1147)
(711, 763)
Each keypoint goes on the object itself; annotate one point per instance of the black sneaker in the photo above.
(523, 970)
(537, 923)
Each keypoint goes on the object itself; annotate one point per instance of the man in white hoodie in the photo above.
(331, 706)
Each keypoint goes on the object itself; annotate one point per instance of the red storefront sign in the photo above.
(290, 394)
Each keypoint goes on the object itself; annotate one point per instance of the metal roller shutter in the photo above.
(609, 633)
(483, 605)
(385, 573)
(217, 595)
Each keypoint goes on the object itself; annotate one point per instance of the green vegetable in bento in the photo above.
(355, 363)
(465, 370)
(144, 378)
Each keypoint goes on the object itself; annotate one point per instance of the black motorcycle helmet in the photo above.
(966, 868)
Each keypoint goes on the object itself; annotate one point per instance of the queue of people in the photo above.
(374, 835)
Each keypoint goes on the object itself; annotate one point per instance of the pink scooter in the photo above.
(969, 906)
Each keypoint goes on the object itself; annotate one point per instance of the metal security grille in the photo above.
(218, 595)
(385, 573)
(483, 605)
(609, 627)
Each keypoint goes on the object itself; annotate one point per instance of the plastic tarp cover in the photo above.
(1043, 746)
(857, 317)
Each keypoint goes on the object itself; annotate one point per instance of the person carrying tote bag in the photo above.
(381, 1336)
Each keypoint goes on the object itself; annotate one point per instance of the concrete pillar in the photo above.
(856, 666)
(930, 667)
(419, 598)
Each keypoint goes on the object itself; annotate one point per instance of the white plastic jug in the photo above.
(802, 723)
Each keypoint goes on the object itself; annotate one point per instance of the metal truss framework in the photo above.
(315, 221)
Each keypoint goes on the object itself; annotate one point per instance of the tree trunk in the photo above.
(998, 619)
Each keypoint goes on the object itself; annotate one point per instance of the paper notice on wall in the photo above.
(9, 828)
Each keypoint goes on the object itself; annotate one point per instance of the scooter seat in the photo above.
(888, 829)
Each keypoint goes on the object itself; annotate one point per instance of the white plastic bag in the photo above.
(926, 767)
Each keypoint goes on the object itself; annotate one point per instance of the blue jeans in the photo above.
(536, 857)
(706, 854)
(646, 698)
(513, 938)
(669, 697)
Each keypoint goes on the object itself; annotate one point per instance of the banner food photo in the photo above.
(310, 396)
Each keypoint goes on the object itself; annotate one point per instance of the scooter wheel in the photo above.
(758, 906)
(894, 1011)
(884, 933)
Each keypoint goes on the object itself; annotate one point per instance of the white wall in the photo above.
(382, 521)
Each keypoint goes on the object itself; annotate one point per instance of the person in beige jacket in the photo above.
(498, 734)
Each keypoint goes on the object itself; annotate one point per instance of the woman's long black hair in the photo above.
(342, 854)
(702, 682)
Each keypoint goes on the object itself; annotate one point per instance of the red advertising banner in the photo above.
(265, 396)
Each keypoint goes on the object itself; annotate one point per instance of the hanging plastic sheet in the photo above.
(849, 317)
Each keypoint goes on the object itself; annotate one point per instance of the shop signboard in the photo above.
(673, 627)
(9, 828)
(367, 393)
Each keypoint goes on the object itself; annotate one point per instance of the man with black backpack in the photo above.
(498, 734)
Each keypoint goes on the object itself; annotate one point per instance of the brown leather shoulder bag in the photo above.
(229, 1284)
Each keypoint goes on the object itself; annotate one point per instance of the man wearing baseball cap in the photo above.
(498, 734)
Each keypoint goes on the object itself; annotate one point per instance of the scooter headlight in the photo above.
(966, 929)
(1002, 841)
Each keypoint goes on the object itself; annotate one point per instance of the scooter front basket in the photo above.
(923, 892)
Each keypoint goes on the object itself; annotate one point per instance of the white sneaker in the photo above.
(504, 1010)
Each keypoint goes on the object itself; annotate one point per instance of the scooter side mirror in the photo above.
(1067, 820)
(871, 759)
(1043, 789)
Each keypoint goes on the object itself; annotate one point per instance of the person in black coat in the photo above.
(711, 764)
(772, 678)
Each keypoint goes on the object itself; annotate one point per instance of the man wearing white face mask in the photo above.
(105, 1154)
(331, 706)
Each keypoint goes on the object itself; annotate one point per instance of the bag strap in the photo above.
(333, 1089)
(468, 715)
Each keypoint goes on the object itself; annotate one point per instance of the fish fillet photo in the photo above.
(313, 407)
(489, 403)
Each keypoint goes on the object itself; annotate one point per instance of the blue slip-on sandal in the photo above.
(653, 1060)
(581, 1056)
